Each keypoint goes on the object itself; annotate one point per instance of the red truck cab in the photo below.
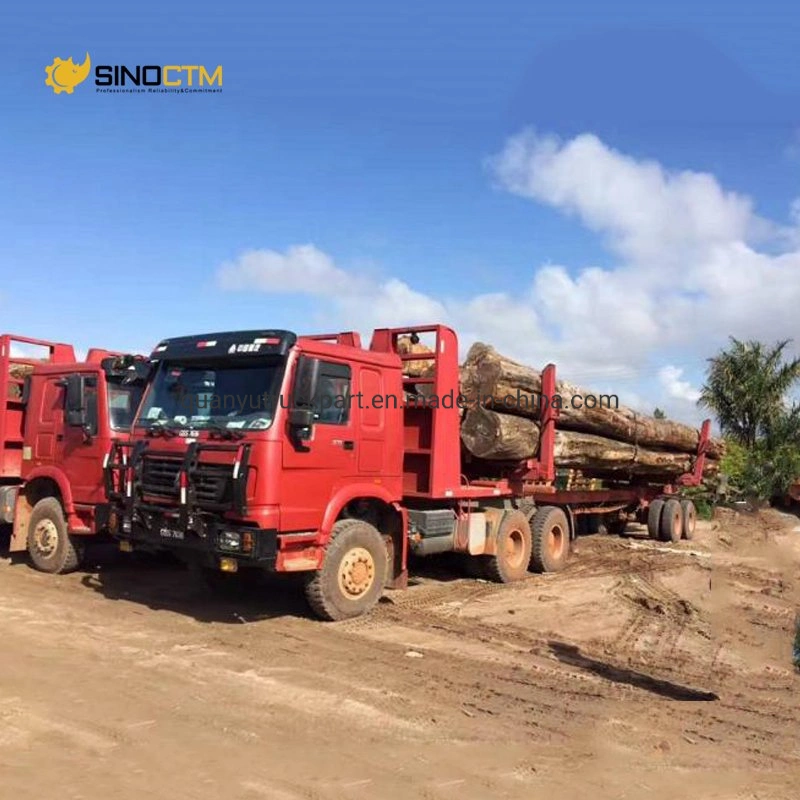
(59, 420)
(221, 464)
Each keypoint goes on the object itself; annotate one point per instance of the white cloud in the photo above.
(689, 273)
(302, 268)
(671, 378)
(359, 300)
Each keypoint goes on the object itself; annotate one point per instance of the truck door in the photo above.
(313, 470)
(48, 422)
(80, 452)
(373, 448)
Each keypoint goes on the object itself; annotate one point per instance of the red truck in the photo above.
(58, 418)
(264, 450)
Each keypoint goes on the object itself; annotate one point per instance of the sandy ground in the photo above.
(644, 670)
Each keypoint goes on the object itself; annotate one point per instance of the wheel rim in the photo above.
(45, 538)
(691, 520)
(555, 541)
(356, 572)
(515, 548)
(677, 525)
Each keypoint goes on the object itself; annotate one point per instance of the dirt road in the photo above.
(643, 671)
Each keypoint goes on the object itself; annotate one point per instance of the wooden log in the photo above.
(493, 436)
(490, 379)
(588, 452)
(19, 371)
(415, 368)
(502, 437)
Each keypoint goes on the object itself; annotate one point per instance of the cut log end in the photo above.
(500, 437)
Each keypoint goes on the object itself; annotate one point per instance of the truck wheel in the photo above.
(654, 518)
(353, 573)
(50, 547)
(550, 540)
(671, 526)
(513, 549)
(689, 511)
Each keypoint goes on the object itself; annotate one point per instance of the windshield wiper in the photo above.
(223, 432)
(160, 427)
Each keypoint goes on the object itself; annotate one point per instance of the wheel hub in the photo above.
(356, 572)
(555, 541)
(515, 547)
(45, 538)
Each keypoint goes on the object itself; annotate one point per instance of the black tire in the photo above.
(474, 566)
(353, 573)
(671, 526)
(528, 508)
(50, 547)
(654, 518)
(551, 540)
(689, 512)
(512, 549)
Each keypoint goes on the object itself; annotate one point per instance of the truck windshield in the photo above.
(123, 400)
(212, 394)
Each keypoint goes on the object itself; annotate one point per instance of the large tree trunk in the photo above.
(490, 379)
(501, 437)
(493, 436)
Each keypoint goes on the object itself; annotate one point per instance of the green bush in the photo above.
(764, 471)
(704, 499)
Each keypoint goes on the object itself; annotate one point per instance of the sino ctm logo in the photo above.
(64, 75)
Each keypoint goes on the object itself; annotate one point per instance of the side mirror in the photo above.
(301, 417)
(306, 380)
(301, 412)
(75, 406)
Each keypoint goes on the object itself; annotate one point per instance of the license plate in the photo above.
(171, 533)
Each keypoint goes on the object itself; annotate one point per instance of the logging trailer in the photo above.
(58, 418)
(285, 478)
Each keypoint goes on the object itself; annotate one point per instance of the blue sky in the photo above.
(364, 132)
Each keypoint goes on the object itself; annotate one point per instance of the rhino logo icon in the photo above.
(64, 76)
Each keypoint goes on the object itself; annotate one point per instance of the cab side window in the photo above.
(332, 401)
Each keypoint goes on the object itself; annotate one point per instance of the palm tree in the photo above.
(747, 386)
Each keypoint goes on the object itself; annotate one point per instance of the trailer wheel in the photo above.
(654, 518)
(689, 511)
(353, 573)
(550, 540)
(50, 547)
(671, 521)
(513, 549)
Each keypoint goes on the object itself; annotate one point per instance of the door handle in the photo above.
(349, 444)
(59, 437)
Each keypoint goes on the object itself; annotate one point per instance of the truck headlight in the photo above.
(230, 540)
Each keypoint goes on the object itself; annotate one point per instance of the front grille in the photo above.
(160, 476)
(212, 484)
